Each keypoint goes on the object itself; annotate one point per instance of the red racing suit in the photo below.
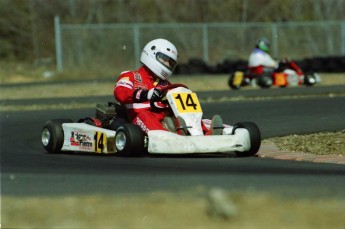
(130, 87)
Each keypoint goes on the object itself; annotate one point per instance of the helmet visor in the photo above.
(166, 61)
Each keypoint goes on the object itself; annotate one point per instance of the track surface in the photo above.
(27, 170)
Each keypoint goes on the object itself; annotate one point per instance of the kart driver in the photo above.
(136, 89)
(259, 60)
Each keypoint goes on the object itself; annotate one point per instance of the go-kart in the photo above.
(288, 74)
(116, 134)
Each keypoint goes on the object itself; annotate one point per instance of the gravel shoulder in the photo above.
(325, 143)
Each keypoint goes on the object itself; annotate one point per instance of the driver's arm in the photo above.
(124, 89)
(125, 93)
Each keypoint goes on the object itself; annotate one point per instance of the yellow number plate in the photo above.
(187, 102)
(238, 78)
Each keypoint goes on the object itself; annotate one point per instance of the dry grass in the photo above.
(167, 210)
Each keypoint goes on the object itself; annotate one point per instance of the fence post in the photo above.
(136, 40)
(58, 45)
(342, 38)
(205, 42)
(275, 51)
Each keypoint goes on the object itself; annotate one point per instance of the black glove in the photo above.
(141, 95)
(154, 94)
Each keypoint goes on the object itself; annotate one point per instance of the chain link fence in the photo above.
(117, 47)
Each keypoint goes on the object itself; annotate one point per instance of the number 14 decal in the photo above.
(187, 102)
(100, 141)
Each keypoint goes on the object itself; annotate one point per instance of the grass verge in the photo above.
(167, 210)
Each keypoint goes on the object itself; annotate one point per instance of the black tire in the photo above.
(52, 135)
(129, 140)
(310, 79)
(265, 81)
(231, 82)
(255, 138)
(116, 123)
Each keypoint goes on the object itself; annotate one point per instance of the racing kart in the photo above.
(115, 134)
(288, 74)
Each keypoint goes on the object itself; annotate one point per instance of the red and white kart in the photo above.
(117, 135)
(288, 74)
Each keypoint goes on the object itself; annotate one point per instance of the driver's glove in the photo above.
(141, 95)
(154, 94)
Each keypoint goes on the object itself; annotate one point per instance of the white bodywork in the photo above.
(292, 77)
(166, 142)
(82, 137)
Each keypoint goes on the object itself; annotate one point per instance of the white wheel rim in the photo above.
(45, 137)
(120, 141)
(269, 82)
(312, 80)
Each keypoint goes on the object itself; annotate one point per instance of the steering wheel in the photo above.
(164, 91)
(172, 86)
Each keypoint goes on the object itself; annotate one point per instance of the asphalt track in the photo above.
(26, 170)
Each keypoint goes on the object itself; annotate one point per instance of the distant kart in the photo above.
(288, 74)
(116, 134)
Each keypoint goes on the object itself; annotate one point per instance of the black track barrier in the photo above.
(331, 64)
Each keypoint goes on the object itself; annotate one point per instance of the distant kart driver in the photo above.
(136, 89)
(260, 60)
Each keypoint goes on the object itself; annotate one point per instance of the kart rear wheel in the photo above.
(255, 138)
(265, 81)
(52, 135)
(129, 140)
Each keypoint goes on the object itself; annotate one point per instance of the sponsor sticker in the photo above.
(81, 140)
(163, 83)
(141, 124)
(137, 77)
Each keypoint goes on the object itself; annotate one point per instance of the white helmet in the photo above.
(160, 56)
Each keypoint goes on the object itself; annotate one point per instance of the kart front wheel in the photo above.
(129, 140)
(310, 79)
(255, 138)
(52, 135)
